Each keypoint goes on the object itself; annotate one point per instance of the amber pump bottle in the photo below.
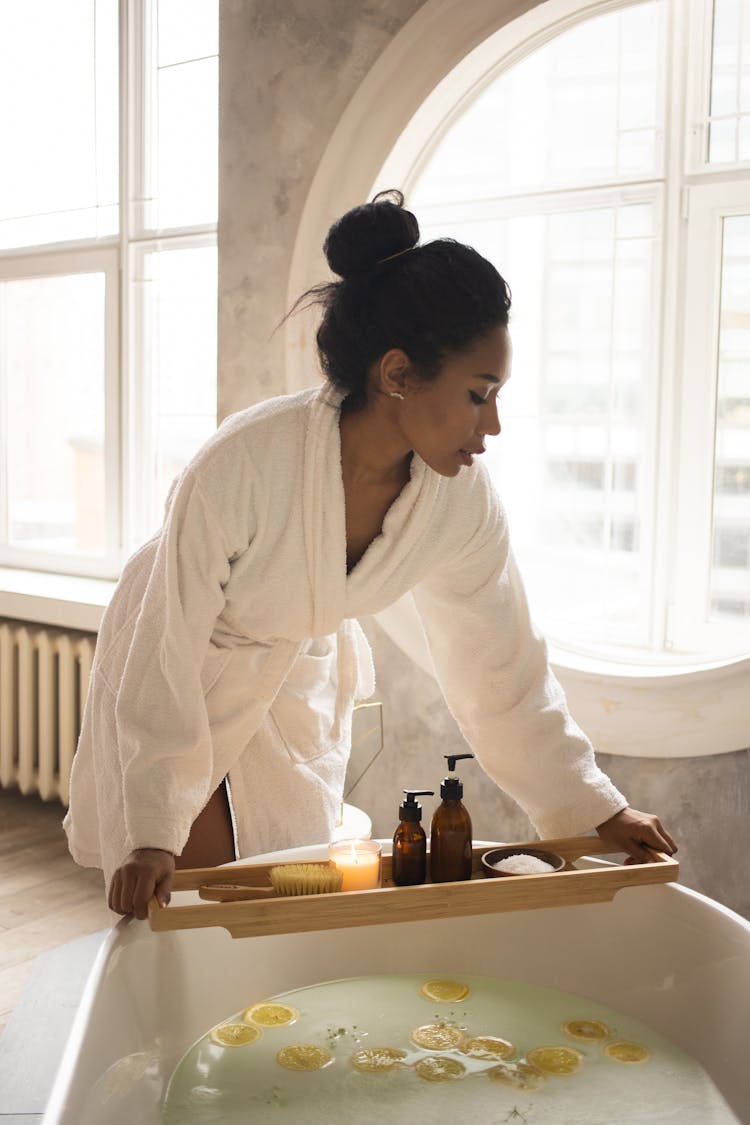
(450, 834)
(409, 860)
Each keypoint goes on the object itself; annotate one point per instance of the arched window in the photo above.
(603, 164)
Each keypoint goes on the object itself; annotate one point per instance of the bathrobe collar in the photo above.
(337, 595)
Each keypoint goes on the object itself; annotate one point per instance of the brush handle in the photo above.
(236, 875)
(225, 892)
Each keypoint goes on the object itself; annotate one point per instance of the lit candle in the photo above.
(359, 863)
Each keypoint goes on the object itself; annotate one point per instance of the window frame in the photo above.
(680, 171)
(137, 494)
(700, 47)
(652, 192)
(62, 263)
(125, 389)
(709, 204)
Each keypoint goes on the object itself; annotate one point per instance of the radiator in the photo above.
(44, 676)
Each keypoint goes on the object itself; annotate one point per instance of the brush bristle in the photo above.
(305, 879)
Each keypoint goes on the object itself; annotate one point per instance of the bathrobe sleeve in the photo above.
(493, 669)
(163, 736)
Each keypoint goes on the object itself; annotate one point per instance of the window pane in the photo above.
(730, 571)
(178, 322)
(187, 29)
(186, 113)
(53, 353)
(582, 108)
(729, 124)
(573, 461)
(58, 120)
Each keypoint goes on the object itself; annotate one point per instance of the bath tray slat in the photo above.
(478, 895)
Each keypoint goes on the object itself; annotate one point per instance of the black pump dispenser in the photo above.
(409, 859)
(411, 809)
(450, 836)
(451, 787)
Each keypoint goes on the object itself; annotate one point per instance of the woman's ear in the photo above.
(394, 373)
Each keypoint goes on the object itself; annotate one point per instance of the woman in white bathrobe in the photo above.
(218, 720)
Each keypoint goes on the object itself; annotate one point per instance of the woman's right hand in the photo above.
(146, 872)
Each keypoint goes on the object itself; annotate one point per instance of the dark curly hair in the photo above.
(430, 300)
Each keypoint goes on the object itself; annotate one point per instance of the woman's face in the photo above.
(446, 419)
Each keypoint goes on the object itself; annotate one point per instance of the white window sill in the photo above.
(54, 599)
(634, 712)
(631, 670)
(658, 712)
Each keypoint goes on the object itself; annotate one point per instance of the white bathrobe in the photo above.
(231, 647)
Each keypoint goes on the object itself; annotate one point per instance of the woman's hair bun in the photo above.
(366, 235)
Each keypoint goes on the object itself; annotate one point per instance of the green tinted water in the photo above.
(234, 1085)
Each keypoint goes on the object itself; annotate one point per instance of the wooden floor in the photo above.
(45, 898)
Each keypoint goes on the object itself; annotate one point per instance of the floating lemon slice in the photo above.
(555, 1060)
(271, 1014)
(437, 1037)
(488, 1047)
(625, 1052)
(586, 1031)
(304, 1056)
(520, 1075)
(440, 1070)
(234, 1034)
(377, 1059)
(445, 991)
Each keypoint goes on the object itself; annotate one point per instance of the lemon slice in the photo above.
(234, 1034)
(586, 1031)
(520, 1075)
(488, 1047)
(440, 1070)
(437, 1037)
(377, 1059)
(625, 1052)
(304, 1056)
(271, 1014)
(444, 991)
(555, 1060)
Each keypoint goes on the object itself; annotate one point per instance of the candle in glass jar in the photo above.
(359, 863)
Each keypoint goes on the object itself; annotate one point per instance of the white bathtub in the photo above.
(668, 956)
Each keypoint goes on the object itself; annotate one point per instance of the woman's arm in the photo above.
(494, 672)
(163, 736)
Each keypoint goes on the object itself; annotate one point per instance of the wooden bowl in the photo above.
(496, 854)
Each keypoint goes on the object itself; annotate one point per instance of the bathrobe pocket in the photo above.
(305, 709)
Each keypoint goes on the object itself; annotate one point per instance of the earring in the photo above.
(395, 394)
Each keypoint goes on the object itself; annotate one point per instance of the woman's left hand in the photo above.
(637, 833)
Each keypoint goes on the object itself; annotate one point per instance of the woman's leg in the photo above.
(211, 839)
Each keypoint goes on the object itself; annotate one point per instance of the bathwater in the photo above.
(467, 1048)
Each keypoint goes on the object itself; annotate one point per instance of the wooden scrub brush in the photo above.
(287, 880)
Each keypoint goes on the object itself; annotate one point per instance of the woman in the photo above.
(231, 650)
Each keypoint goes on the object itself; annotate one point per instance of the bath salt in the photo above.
(523, 865)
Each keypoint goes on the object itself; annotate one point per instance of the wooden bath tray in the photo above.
(478, 895)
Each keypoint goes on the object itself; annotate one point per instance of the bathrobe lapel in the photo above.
(385, 571)
(323, 514)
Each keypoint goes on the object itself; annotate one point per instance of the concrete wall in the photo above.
(288, 72)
